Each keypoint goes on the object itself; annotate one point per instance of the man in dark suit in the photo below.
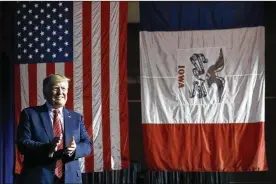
(52, 138)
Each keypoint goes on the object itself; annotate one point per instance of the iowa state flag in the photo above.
(203, 85)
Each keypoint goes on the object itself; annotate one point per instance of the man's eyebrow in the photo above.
(59, 87)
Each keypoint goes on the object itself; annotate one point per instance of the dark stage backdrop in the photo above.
(137, 173)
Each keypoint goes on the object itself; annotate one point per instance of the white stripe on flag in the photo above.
(24, 85)
(77, 58)
(59, 68)
(96, 87)
(114, 86)
(242, 73)
(41, 74)
(77, 62)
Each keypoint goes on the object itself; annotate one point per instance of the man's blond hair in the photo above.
(53, 79)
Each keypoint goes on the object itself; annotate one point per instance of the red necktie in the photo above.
(58, 133)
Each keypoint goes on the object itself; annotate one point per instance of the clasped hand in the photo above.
(56, 142)
(69, 150)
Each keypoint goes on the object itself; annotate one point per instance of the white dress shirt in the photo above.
(51, 113)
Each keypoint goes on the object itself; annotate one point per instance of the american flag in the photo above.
(85, 41)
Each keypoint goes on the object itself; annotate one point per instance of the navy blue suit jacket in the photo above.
(34, 135)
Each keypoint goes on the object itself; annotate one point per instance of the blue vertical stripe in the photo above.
(7, 128)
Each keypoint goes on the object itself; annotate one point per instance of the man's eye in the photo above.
(62, 89)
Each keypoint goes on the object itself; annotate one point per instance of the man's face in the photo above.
(57, 94)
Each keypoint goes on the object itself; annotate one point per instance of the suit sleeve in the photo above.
(84, 146)
(24, 142)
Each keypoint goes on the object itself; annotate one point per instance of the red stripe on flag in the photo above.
(32, 78)
(50, 68)
(123, 100)
(17, 92)
(87, 76)
(105, 83)
(68, 71)
(17, 110)
(203, 147)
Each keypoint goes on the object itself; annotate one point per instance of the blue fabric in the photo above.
(43, 32)
(179, 16)
(6, 123)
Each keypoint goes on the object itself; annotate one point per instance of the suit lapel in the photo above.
(46, 121)
(67, 129)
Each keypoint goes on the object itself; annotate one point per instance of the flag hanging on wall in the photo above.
(85, 41)
(203, 86)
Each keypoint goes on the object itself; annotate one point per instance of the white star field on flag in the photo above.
(43, 32)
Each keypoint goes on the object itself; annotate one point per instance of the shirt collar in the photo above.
(50, 108)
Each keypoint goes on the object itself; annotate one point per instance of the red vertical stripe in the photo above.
(123, 100)
(105, 83)
(87, 76)
(32, 78)
(68, 71)
(17, 101)
(50, 68)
